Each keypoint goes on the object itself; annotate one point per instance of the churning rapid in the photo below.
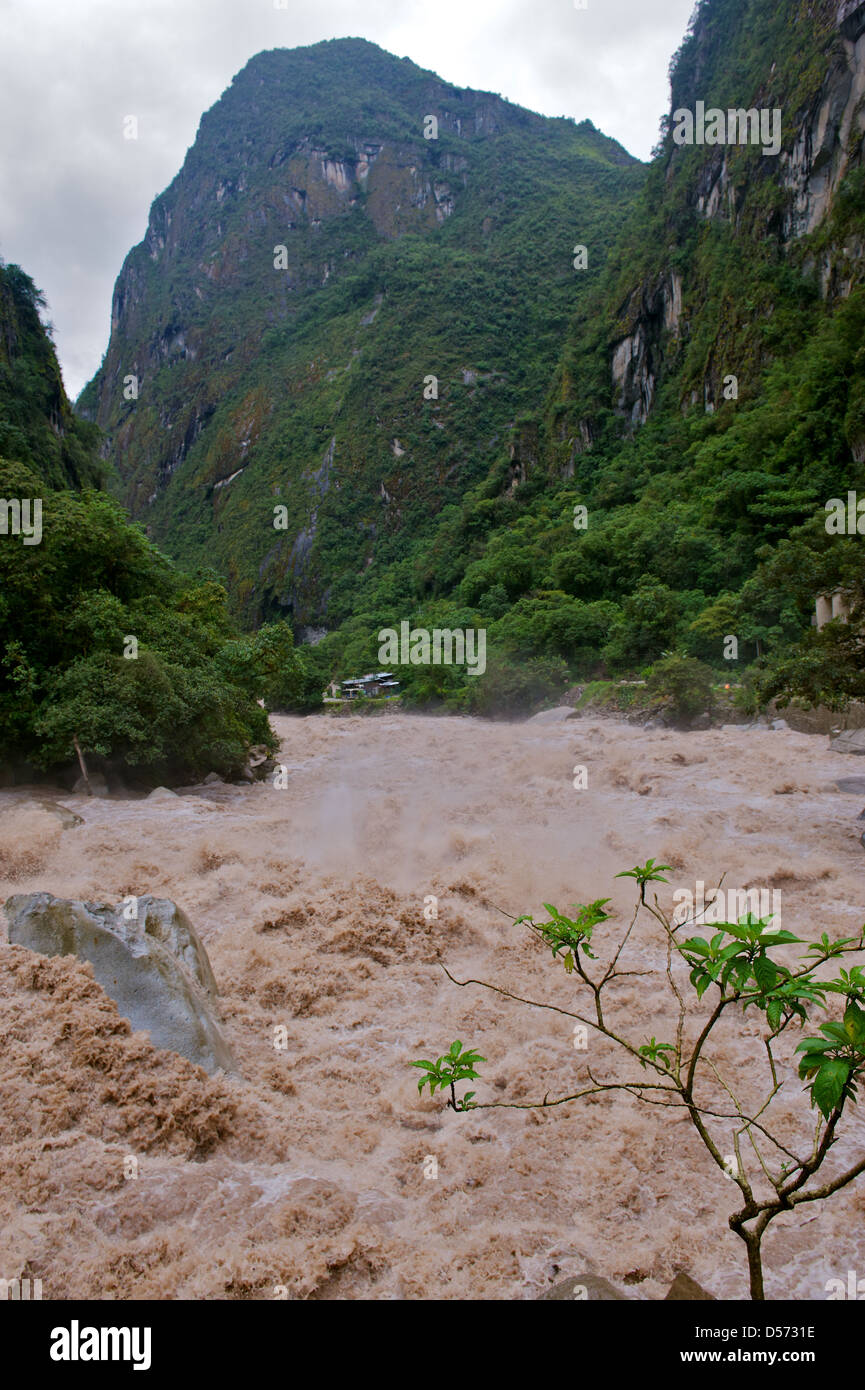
(308, 1174)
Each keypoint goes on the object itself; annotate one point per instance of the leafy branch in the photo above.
(738, 962)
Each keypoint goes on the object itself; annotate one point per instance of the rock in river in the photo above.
(153, 966)
(850, 741)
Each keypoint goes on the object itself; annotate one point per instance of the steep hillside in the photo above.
(107, 651)
(700, 390)
(710, 396)
(37, 424)
(714, 398)
(314, 264)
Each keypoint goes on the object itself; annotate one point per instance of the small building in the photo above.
(372, 685)
(831, 606)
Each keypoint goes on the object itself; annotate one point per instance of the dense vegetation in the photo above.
(179, 701)
(304, 387)
(593, 522)
(704, 521)
(37, 423)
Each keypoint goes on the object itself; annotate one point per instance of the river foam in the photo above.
(305, 1176)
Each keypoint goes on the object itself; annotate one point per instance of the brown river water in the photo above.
(318, 1171)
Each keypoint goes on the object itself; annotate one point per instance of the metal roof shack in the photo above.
(370, 685)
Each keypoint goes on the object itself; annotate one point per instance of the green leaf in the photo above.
(828, 1087)
(854, 1024)
(701, 981)
(765, 973)
(696, 943)
(733, 929)
(836, 1031)
(730, 952)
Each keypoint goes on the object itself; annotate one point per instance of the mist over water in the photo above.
(304, 1175)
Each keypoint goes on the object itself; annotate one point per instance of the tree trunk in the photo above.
(755, 1268)
(82, 764)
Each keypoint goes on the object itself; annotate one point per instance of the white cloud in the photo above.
(75, 194)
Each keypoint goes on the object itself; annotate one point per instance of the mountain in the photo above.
(110, 656)
(712, 399)
(699, 390)
(400, 258)
(37, 423)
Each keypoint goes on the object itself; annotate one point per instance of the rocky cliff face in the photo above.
(354, 252)
(782, 206)
(828, 138)
(37, 424)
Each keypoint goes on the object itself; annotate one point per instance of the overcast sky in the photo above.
(74, 194)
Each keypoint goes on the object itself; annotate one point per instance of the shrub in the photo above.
(736, 969)
(682, 684)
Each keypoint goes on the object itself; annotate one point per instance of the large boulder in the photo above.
(98, 785)
(850, 741)
(68, 819)
(684, 1289)
(553, 716)
(150, 961)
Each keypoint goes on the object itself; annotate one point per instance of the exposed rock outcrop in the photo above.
(829, 138)
(654, 312)
(146, 955)
(850, 741)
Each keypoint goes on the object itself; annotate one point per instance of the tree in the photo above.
(167, 705)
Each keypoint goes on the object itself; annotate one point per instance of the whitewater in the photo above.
(401, 844)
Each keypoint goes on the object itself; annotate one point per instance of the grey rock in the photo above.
(854, 785)
(162, 920)
(701, 722)
(849, 741)
(154, 967)
(213, 777)
(67, 818)
(162, 794)
(779, 724)
(98, 785)
(584, 1287)
(552, 716)
(684, 1289)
